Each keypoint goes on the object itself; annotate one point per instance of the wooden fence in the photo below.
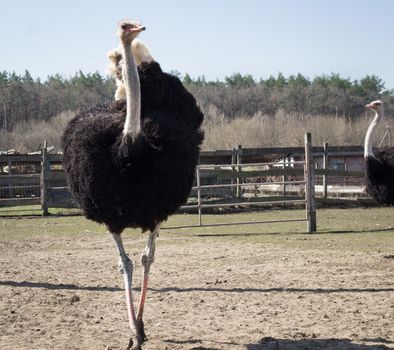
(237, 171)
(40, 179)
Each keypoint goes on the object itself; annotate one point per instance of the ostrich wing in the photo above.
(386, 156)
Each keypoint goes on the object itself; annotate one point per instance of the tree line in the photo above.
(24, 99)
(332, 95)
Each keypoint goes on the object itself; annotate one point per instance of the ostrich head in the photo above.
(114, 68)
(129, 30)
(375, 105)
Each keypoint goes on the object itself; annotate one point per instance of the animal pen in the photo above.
(238, 179)
(235, 173)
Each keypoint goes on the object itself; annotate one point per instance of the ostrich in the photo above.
(140, 53)
(131, 163)
(379, 166)
(114, 68)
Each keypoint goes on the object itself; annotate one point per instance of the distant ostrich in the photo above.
(140, 53)
(131, 163)
(379, 166)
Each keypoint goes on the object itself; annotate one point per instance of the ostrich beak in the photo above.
(369, 106)
(138, 30)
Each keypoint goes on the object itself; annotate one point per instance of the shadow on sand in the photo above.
(289, 233)
(269, 343)
(60, 286)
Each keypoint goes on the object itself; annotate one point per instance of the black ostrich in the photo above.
(132, 164)
(379, 166)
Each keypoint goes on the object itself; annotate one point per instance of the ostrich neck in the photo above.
(133, 93)
(368, 137)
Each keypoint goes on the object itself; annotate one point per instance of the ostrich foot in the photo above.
(130, 345)
(140, 338)
(134, 346)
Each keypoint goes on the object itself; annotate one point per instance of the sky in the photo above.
(211, 38)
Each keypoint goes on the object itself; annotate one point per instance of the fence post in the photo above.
(325, 167)
(11, 193)
(239, 161)
(345, 165)
(199, 196)
(43, 180)
(284, 179)
(233, 160)
(310, 185)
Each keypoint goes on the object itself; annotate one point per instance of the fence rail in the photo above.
(232, 171)
(226, 177)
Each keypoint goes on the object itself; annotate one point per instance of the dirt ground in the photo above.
(60, 290)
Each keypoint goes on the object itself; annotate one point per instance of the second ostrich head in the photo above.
(375, 105)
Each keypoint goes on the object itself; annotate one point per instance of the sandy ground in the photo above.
(249, 292)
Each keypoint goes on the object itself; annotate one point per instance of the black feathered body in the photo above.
(126, 183)
(380, 176)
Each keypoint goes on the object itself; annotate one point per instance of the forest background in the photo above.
(239, 110)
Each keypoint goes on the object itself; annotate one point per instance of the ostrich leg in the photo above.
(147, 258)
(126, 269)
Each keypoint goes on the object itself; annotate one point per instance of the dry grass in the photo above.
(29, 136)
(284, 130)
(260, 130)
